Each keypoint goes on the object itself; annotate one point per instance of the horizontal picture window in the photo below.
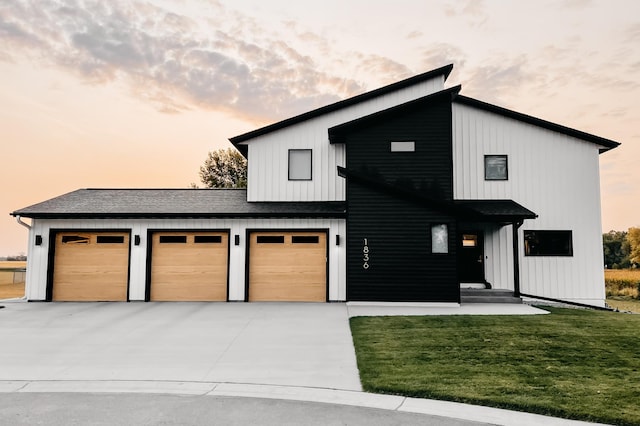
(173, 239)
(270, 239)
(305, 239)
(203, 239)
(110, 239)
(548, 243)
(75, 239)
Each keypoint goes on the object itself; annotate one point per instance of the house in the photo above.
(403, 194)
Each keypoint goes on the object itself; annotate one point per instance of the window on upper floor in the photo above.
(495, 167)
(403, 146)
(548, 243)
(300, 164)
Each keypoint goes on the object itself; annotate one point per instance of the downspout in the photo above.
(26, 225)
(516, 258)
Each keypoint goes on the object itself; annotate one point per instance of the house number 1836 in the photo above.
(365, 254)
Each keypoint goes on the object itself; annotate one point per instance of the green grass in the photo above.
(577, 364)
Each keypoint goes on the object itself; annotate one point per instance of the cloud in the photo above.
(496, 82)
(473, 10)
(576, 4)
(439, 54)
(177, 62)
(386, 70)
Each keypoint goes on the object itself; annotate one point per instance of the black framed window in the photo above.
(548, 243)
(270, 239)
(305, 239)
(75, 239)
(205, 239)
(300, 164)
(496, 167)
(173, 239)
(110, 239)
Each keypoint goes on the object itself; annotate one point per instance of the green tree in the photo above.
(633, 237)
(224, 168)
(616, 249)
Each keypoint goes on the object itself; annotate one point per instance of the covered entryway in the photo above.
(90, 266)
(288, 266)
(189, 266)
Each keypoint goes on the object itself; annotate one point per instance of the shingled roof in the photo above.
(150, 203)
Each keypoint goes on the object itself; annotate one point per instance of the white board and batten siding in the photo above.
(268, 154)
(36, 279)
(552, 174)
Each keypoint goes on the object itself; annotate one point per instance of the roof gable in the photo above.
(337, 134)
(443, 71)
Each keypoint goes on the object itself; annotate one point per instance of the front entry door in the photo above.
(471, 257)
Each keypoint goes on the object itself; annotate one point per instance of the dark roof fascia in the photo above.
(606, 143)
(503, 218)
(315, 215)
(337, 134)
(445, 71)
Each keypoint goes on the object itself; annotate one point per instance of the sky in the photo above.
(133, 94)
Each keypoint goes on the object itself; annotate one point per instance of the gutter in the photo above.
(26, 225)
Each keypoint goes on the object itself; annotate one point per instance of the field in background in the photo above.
(9, 289)
(623, 289)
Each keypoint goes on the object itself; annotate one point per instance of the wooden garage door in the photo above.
(189, 266)
(91, 266)
(288, 266)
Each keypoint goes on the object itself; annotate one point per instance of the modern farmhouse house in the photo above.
(403, 194)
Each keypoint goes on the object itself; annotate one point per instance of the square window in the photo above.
(548, 243)
(439, 238)
(299, 164)
(405, 146)
(495, 167)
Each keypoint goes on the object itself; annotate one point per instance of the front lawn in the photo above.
(577, 364)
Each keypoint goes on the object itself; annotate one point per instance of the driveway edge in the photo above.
(446, 409)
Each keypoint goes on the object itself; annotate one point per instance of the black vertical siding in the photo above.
(401, 266)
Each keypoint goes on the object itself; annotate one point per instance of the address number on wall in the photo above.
(365, 254)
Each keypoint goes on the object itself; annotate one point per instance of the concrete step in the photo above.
(472, 295)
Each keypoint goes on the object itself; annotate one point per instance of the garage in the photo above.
(288, 266)
(90, 266)
(189, 266)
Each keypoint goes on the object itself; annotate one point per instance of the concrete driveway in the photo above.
(186, 363)
(291, 344)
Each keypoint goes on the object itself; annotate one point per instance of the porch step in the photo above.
(474, 295)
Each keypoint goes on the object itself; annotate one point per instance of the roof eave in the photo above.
(318, 215)
(605, 144)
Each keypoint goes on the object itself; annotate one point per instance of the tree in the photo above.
(633, 237)
(224, 168)
(616, 249)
